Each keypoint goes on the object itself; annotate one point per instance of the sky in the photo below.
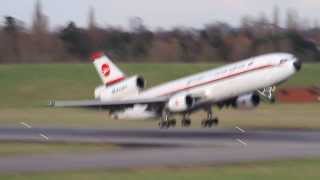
(157, 13)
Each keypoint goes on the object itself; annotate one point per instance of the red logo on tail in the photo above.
(105, 68)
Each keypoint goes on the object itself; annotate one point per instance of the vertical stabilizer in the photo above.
(108, 72)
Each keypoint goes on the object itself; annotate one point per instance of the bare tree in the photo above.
(40, 20)
(292, 19)
(92, 24)
(136, 24)
(276, 16)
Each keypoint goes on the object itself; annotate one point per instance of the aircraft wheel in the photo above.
(167, 124)
(186, 123)
(164, 125)
(204, 123)
(209, 123)
(172, 123)
(216, 121)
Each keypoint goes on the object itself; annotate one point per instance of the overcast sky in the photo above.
(157, 13)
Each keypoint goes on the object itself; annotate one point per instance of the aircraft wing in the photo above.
(107, 104)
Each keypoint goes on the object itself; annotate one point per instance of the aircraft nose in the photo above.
(297, 65)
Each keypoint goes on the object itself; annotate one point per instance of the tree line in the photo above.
(215, 42)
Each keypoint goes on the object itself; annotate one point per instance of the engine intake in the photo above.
(247, 101)
(180, 103)
(141, 83)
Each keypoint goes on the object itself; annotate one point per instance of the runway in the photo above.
(157, 148)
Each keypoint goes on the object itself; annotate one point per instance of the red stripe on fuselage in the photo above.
(215, 80)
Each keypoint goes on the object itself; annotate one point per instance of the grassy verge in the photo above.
(27, 149)
(280, 170)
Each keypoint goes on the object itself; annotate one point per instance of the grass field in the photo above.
(279, 170)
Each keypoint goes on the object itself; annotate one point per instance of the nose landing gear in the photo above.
(165, 122)
(268, 94)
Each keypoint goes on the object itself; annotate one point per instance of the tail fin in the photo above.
(107, 70)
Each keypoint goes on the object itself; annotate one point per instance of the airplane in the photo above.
(240, 85)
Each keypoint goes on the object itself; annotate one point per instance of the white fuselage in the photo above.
(231, 80)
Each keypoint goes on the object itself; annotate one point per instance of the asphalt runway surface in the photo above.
(157, 148)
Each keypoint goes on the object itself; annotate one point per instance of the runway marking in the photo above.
(25, 125)
(241, 130)
(29, 127)
(242, 142)
(44, 136)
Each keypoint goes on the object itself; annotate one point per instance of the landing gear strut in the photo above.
(210, 121)
(165, 122)
(186, 121)
(268, 93)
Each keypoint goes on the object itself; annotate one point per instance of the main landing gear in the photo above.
(210, 121)
(166, 122)
(186, 121)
